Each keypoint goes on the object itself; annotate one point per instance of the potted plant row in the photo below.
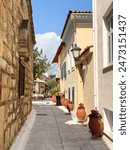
(67, 103)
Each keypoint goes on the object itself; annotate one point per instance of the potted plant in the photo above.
(95, 123)
(62, 98)
(53, 93)
(70, 106)
(53, 98)
(81, 113)
(65, 102)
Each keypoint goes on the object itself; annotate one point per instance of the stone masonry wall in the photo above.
(14, 109)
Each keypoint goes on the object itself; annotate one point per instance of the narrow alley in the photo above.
(50, 128)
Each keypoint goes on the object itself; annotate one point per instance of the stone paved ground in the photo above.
(49, 132)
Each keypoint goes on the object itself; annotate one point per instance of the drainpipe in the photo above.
(96, 98)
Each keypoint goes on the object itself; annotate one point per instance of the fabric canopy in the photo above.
(39, 81)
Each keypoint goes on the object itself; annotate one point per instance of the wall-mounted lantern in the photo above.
(76, 52)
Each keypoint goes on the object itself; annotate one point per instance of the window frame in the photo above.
(69, 92)
(69, 58)
(63, 70)
(109, 26)
(73, 94)
(107, 53)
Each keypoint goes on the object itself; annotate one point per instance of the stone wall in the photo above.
(15, 46)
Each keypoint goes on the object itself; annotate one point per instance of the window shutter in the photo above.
(64, 69)
(69, 93)
(73, 94)
(61, 73)
(68, 60)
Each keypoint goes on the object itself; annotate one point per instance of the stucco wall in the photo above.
(80, 33)
(84, 84)
(84, 35)
(88, 87)
(69, 80)
(104, 82)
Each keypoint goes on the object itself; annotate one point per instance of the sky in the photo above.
(49, 17)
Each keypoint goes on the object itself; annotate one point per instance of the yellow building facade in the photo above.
(76, 77)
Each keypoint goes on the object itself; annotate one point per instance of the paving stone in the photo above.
(72, 148)
(49, 132)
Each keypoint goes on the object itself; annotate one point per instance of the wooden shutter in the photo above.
(73, 94)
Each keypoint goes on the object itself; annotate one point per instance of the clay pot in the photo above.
(53, 98)
(96, 127)
(66, 102)
(62, 101)
(81, 114)
(70, 106)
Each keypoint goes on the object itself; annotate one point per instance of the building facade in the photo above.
(103, 60)
(16, 67)
(76, 79)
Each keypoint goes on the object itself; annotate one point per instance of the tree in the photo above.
(41, 64)
(52, 84)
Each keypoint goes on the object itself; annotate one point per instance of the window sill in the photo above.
(108, 68)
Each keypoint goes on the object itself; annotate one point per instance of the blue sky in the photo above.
(49, 17)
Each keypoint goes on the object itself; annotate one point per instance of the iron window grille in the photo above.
(21, 78)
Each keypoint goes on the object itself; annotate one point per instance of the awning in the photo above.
(39, 81)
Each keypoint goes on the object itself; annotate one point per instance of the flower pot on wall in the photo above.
(96, 127)
(95, 123)
(66, 102)
(81, 114)
(62, 101)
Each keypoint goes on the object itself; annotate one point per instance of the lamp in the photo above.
(76, 52)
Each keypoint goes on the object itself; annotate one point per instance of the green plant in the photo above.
(95, 114)
(53, 91)
(40, 63)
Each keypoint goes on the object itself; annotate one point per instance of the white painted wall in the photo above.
(103, 81)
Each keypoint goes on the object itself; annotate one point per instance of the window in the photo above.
(63, 71)
(69, 59)
(109, 118)
(108, 37)
(21, 78)
(109, 24)
(69, 93)
(72, 60)
(73, 95)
